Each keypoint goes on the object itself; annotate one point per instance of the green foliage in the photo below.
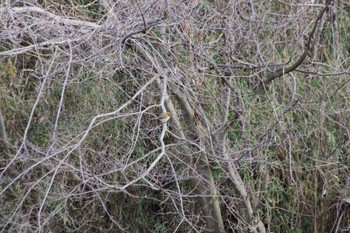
(291, 143)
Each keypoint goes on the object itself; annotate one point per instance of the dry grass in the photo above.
(83, 81)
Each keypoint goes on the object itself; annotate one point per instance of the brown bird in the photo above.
(164, 117)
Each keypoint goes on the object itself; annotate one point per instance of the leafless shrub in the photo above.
(257, 141)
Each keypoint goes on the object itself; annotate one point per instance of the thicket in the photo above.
(259, 135)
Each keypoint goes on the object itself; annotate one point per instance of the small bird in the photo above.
(164, 117)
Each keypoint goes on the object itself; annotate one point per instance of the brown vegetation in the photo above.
(258, 139)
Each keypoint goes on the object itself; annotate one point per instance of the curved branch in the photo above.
(72, 22)
(285, 70)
